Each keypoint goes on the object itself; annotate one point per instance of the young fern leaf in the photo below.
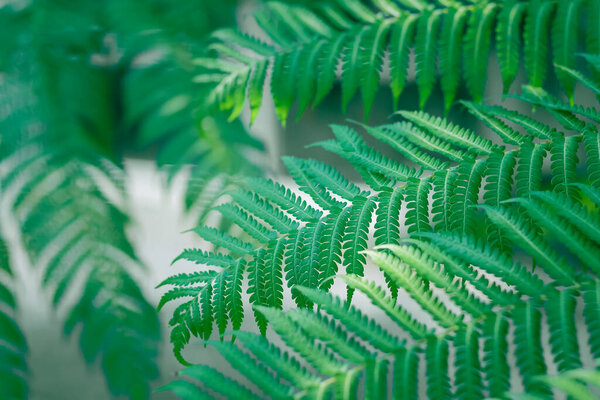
(436, 356)
(495, 346)
(371, 62)
(508, 38)
(468, 367)
(564, 40)
(453, 27)
(425, 50)
(401, 39)
(477, 47)
(536, 40)
(560, 309)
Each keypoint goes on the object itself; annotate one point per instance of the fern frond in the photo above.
(495, 346)
(396, 312)
(523, 234)
(450, 132)
(563, 162)
(529, 352)
(417, 204)
(477, 47)
(564, 40)
(468, 367)
(482, 255)
(436, 356)
(508, 37)
(427, 33)
(591, 142)
(453, 27)
(535, 37)
(14, 371)
(356, 236)
(560, 309)
(401, 39)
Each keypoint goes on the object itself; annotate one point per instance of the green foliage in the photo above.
(304, 45)
(13, 346)
(457, 172)
(350, 351)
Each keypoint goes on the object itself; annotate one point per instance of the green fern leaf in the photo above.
(417, 204)
(255, 88)
(306, 83)
(220, 301)
(356, 236)
(452, 32)
(444, 185)
(198, 256)
(387, 222)
(400, 42)
(214, 380)
(508, 38)
(536, 40)
(327, 66)
(528, 177)
(352, 319)
(247, 222)
(371, 61)
(447, 131)
(567, 234)
(257, 289)
(220, 239)
(376, 379)
(284, 365)
(296, 168)
(393, 135)
(283, 82)
(564, 40)
(591, 141)
(506, 133)
(405, 378)
(532, 126)
(427, 141)
(415, 287)
(463, 271)
(468, 368)
(426, 268)
(257, 373)
(479, 253)
(477, 48)
(322, 328)
(529, 352)
(560, 309)
(436, 356)
(319, 357)
(425, 50)
(591, 312)
(563, 162)
(495, 345)
(189, 279)
(572, 211)
(331, 179)
(396, 312)
(498, 187)
(330, 251)
(351, 67)
(524, 234)
(284, 198)
(466, 195)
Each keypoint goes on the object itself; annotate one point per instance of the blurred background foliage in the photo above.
(83, 86)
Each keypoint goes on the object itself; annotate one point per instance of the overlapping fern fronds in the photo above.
(13, 346)
(306, 242)
(339, 352)
(304, 46)
(69, 206)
